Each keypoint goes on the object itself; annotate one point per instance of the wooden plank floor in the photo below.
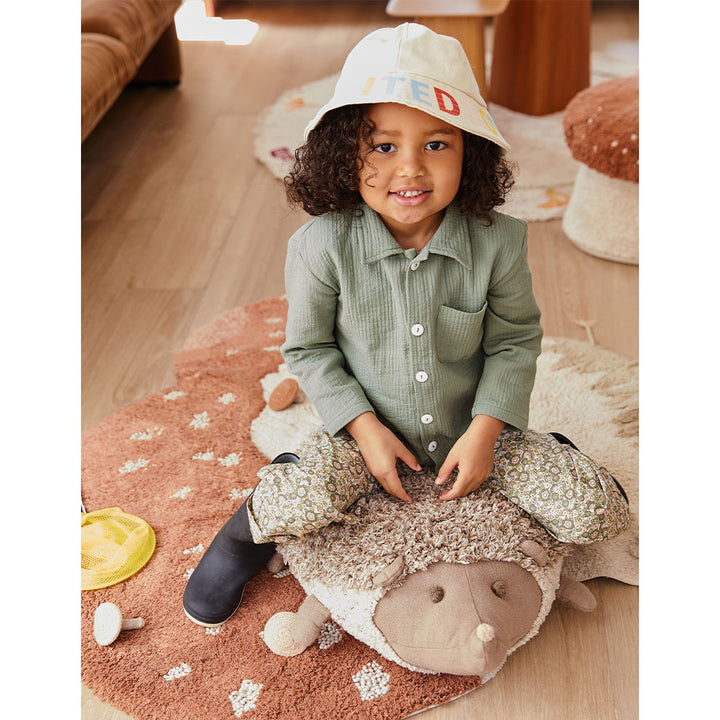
(180, 224)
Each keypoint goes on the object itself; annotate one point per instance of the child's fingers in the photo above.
(459, 487)
(390, 480)
(445, 469)
(391, 483)
(448, 494)
(462, 486)
(409, 459)
(455, 491)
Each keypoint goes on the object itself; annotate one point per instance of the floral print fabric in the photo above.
(329, 485)
(574, 498)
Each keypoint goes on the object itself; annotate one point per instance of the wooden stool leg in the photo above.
(541, 55)
(470, 31)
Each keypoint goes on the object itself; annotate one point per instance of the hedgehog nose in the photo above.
(491, 650)
(485, 632)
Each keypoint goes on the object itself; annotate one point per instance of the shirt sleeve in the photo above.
(310, 349)
(511, 339)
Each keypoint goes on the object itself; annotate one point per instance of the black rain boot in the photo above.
(214, 590)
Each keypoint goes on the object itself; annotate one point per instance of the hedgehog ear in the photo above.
(390, 573)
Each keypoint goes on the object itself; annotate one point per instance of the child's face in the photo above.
(412, 168)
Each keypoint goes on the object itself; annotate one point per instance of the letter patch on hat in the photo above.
(418, 93)
(441, 96)
(368, 86)
(488, 121)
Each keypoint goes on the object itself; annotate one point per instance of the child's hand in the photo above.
(381, 449)
(473, 455)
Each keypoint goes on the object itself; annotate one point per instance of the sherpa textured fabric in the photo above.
(602, 128)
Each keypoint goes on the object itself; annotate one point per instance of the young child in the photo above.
(412, 324)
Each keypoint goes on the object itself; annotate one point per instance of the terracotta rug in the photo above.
(184, 458)
(546, 169)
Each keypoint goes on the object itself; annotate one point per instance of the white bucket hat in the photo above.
(414, 66)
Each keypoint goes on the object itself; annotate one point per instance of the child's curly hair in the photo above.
(324, 175)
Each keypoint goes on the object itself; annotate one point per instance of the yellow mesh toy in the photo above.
(114, 546)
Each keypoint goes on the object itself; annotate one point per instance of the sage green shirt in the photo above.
(425, 341)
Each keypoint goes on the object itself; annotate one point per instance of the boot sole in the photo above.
(203, 623)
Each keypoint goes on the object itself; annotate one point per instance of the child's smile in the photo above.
(411, 198)
(411, 172)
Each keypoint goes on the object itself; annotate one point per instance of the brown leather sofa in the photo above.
(125, 41)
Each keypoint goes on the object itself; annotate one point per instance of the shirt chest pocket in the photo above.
(458, 333)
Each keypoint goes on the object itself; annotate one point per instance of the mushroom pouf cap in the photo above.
(602, 128)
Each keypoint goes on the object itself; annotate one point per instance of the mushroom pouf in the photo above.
(451, 587)
(602, 131)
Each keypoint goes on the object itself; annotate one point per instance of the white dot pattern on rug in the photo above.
(173, 395)
(194, 550)
(207, 456)
(200, 421)
(182, 493)
(329, 635)
(177, 672)
(371, 681)
(230, 460)
(239, 494)
(148, 434)
(133, 466)
(227, 398)
(245, 698)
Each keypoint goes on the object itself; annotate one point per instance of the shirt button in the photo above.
(432, 447)
(417, 329)
(426, 419)
(421, 376)
(414, 265)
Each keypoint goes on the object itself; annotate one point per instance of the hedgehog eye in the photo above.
(498, 588)
(436, 594)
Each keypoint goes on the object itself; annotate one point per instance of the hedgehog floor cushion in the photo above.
(433, 586)
(439, 587)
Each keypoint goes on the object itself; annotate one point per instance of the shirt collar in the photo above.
(451, 239)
